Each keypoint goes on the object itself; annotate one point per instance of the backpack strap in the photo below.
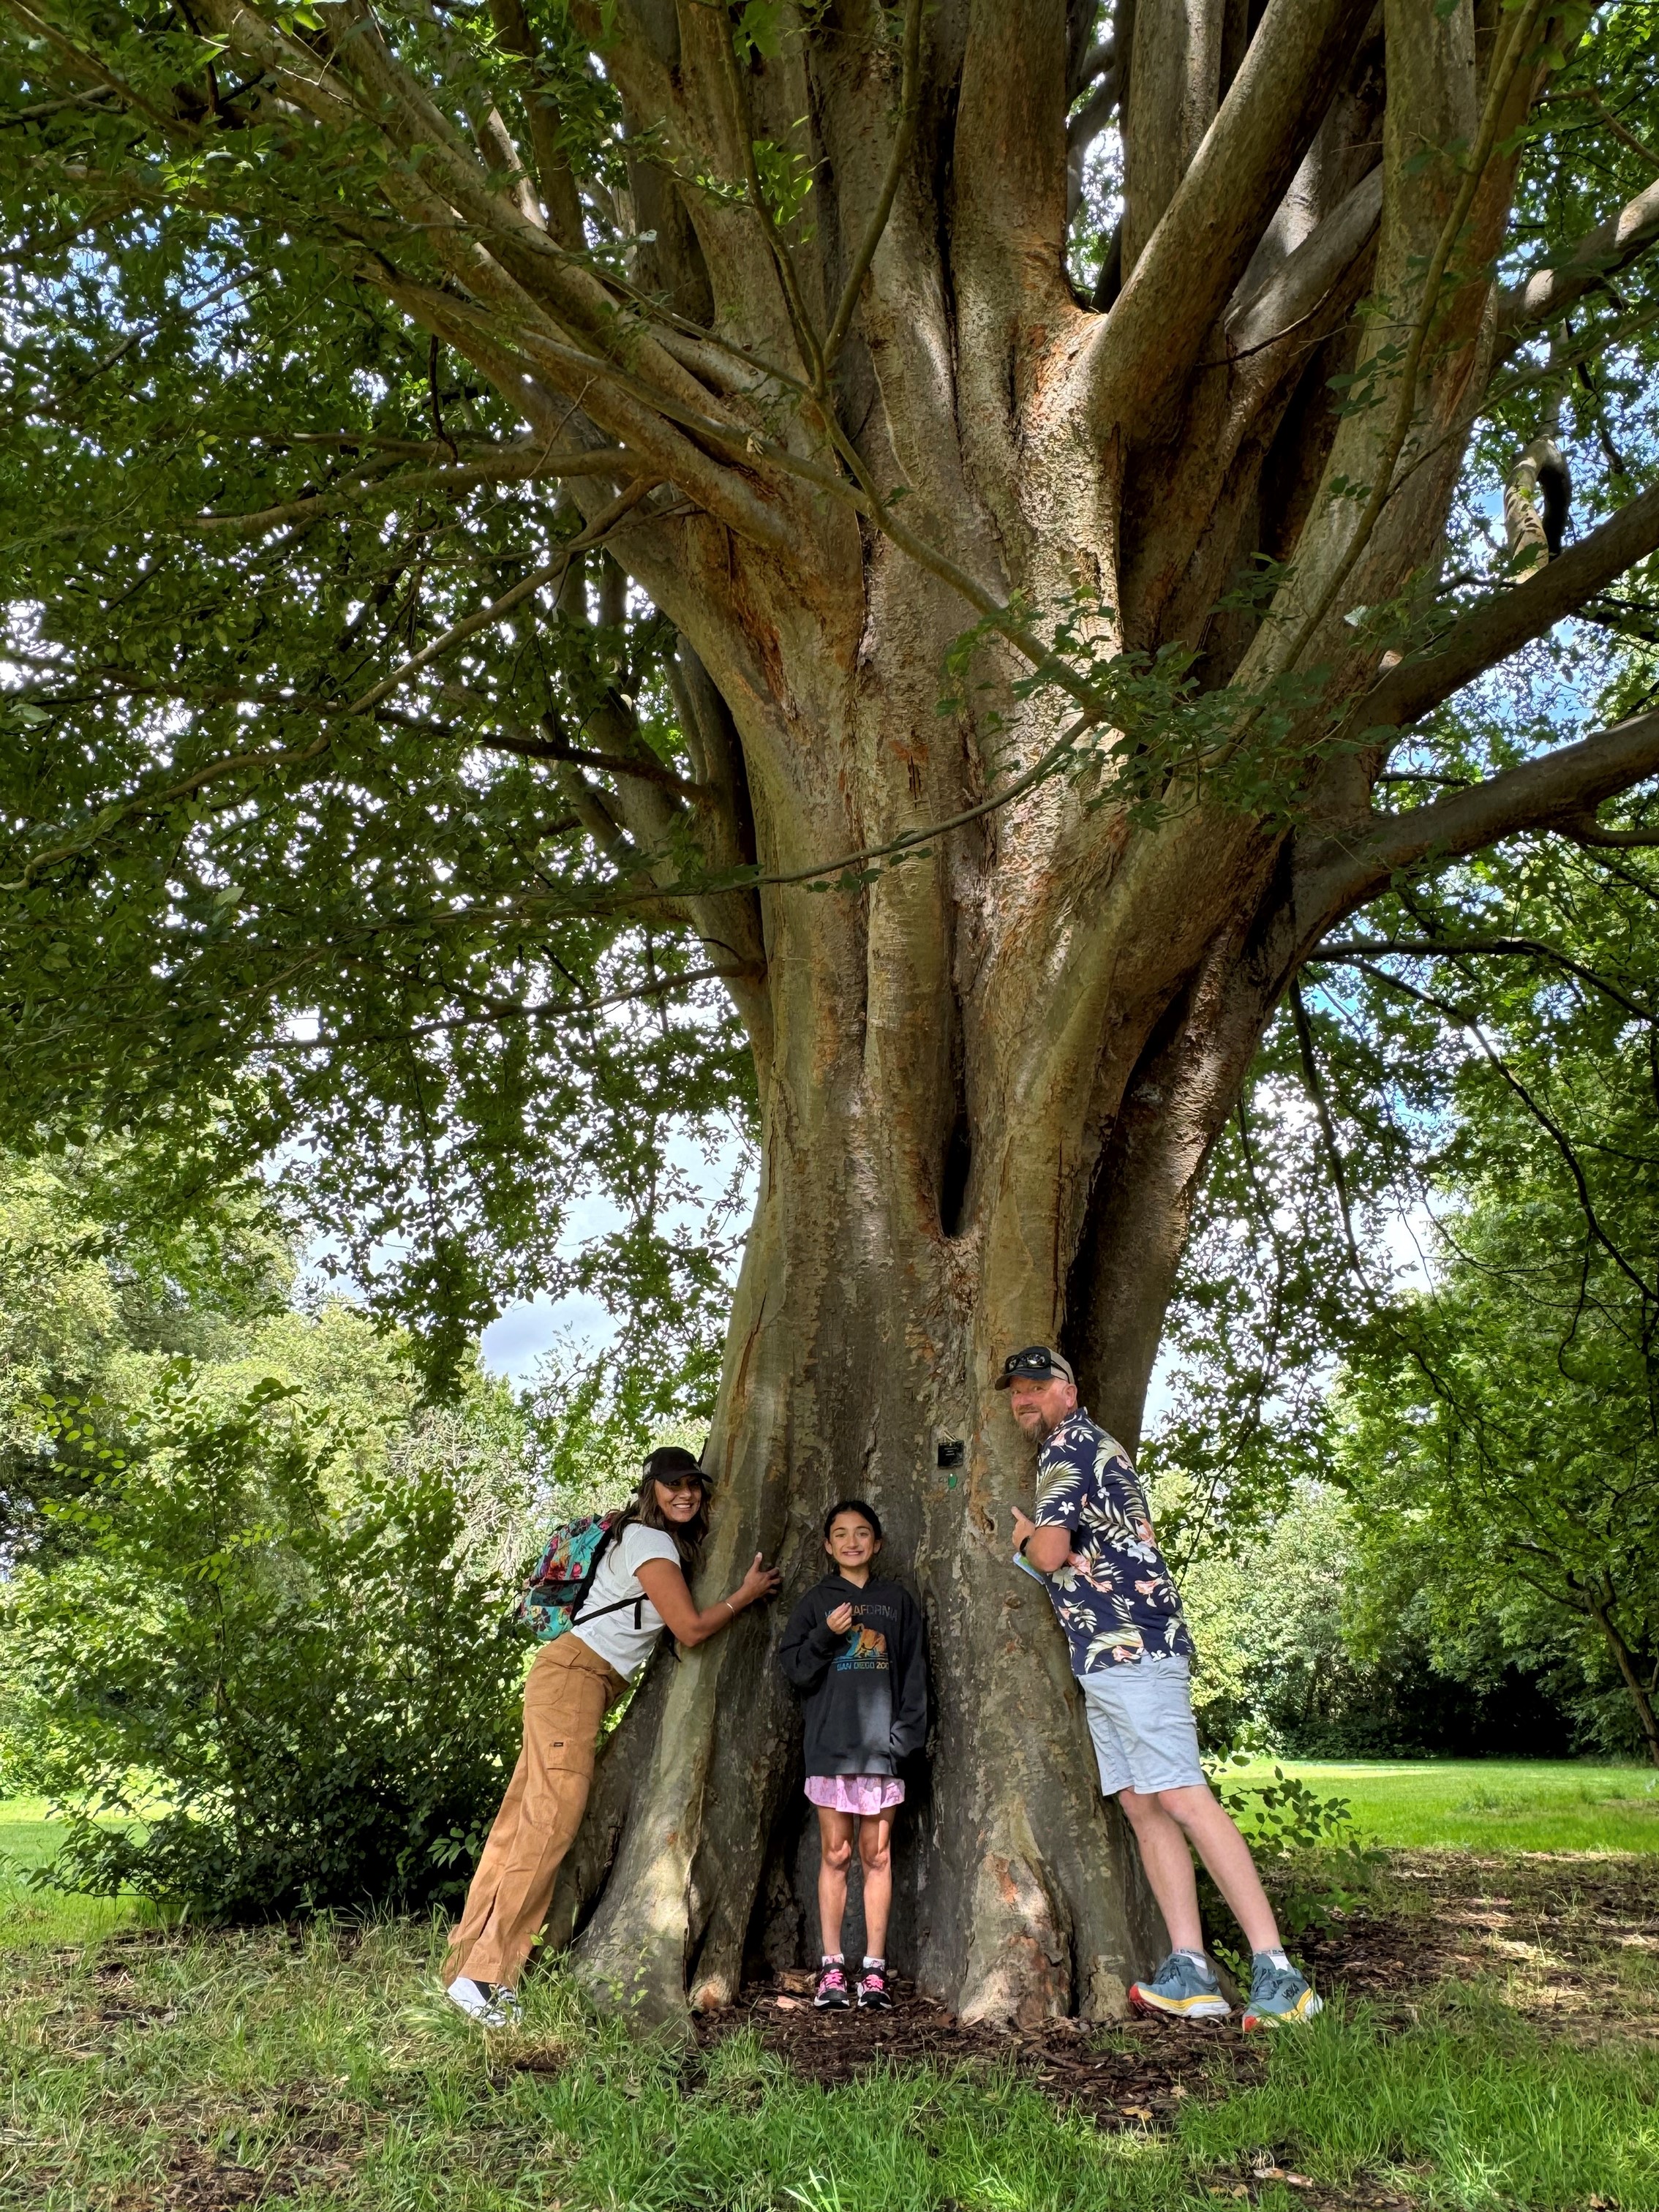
(578, 1618)
(600, 1611)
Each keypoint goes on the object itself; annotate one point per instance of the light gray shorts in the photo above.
(1140, 1715)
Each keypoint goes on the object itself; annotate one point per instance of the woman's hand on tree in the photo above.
(760, 1582)
(841, 1619)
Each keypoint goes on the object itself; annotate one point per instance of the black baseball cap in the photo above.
(672, 1462)
(1040, 1363)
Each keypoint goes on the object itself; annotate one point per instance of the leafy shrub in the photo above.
(1313, 1860)
(262, 1682)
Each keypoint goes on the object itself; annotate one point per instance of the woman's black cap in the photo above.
(672, 1461)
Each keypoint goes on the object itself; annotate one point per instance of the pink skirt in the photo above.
(855, 1793)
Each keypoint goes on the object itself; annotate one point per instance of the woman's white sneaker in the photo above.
(475, 2001)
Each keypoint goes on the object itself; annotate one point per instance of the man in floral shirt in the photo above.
(1092, 1545)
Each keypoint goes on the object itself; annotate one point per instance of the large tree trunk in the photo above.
(1636, 1689)
(991, 1078)
(857, 1360)
(949, 1048)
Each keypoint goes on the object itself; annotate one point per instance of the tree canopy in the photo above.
(341, 758)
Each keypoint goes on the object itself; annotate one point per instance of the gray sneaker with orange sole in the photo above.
(1277, 1993)
(1183, 1988)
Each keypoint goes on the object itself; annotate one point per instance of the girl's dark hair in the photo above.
(666, 1460)
(853, 1505)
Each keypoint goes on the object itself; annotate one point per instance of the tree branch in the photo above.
(494, 610)
(545, 745)
(1337, 873)
(558, 186)
(1508, 62)
(1461, 1017)
(903, 142)
(516, 468)
(1140, 357)
(1610, 121)
(1304, 278)
(1081, 132)
(1546, 295)
(1499, 626)
(1322, 1105)
(1585, 829)
(1362, 949)
(496, 1010)
(169, 791)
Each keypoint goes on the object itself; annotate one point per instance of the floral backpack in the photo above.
(551, 1599)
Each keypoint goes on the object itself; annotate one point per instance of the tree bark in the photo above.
(887, 1269)
(1629, 1674)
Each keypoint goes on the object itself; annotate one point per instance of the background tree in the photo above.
(1317, 1639)
(1438, 1197)
(1502, 1468)
(1499, 1428)
(255, 1590)
(277, 1670)
(494, 494)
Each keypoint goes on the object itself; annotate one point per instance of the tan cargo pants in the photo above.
(565, 1698)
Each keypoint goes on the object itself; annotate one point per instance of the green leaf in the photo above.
(758, 30)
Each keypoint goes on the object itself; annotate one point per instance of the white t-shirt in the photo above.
(614, 1637)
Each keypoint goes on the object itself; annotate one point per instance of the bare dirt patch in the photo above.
(1571, 1940)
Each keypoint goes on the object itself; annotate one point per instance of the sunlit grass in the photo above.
(43, 1918)
(1481, 1804)
(27, 1837)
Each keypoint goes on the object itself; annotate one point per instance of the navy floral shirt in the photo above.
(1113, 1595)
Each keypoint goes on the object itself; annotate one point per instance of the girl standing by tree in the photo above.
(854, 1650)
(647, 1558)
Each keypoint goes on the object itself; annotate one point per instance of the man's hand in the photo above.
(841, 1619)
(1044, 1550)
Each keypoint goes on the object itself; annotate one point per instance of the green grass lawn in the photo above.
(323, 2072)
(329, 2072)
(1487, 1804)
(36, 1918)
(27, 1837)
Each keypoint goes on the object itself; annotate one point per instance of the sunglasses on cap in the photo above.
(1038, 1362)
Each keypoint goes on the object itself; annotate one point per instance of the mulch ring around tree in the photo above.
(1547, 1924)
(1139, 2075)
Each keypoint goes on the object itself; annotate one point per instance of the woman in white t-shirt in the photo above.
(574, 1679)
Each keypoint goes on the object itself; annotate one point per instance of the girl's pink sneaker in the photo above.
(832, 1989)
(872, 1991)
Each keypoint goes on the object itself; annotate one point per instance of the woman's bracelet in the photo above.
(730, 1607)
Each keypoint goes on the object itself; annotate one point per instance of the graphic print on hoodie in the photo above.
(863, 1692)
